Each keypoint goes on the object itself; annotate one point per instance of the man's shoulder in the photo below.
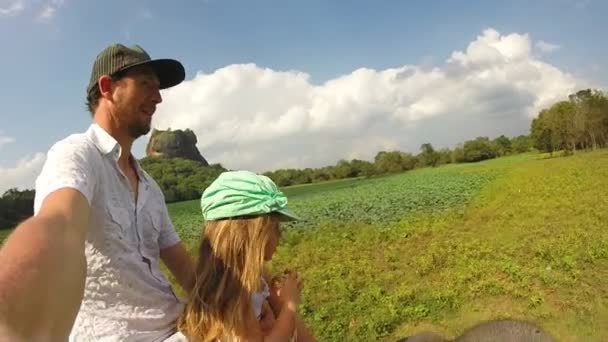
(70, 162)
(76, 143)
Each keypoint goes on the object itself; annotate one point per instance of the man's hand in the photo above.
(43, 270)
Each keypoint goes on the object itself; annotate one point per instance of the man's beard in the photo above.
(137, 129)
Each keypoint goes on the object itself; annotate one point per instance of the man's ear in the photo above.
(105, 86)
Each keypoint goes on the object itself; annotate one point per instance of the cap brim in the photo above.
(169, 71)
(287, 215)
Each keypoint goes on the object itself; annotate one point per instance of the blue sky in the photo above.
(49, 46)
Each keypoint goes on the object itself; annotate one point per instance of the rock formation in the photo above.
(174, 144)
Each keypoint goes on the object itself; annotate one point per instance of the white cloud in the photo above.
(48, 12)
(5, 140)
(546, 47)
(23, 175)
(49, 9)
(45, 9)
(11, 7)
(250, 117)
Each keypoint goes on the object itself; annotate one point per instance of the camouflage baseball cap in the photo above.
(117, 57)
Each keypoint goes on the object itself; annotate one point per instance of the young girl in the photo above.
(242, 213)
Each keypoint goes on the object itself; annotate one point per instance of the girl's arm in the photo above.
(285, 323)
(280, 329)
(303, 333)
(268, 319)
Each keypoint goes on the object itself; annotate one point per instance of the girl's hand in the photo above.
(300, 280)
(289, 292)
(278, 281)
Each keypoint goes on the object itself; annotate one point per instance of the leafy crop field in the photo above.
(388, 199)
(374, 201)
(441, 249)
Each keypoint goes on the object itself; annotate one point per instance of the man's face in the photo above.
(135, 99)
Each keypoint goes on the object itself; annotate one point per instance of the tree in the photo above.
(320, 175)
(521, 144)
(579, 123)
(458, 154)
(408, 161)
(363, 168)
(445, 156)
(503, 145)
(15, 206)
(561, 121)
(281, 177)
(344, 169)
(428, 155)
(591, 117)
(394, 161)
(180, 179)
(541, 132)
(388, 162)
(479, 149)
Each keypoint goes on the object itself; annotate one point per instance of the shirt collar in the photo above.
(107, 145)
(104, 142)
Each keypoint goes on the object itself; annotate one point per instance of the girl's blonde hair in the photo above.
(229, 267)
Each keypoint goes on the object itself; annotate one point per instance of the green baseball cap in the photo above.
(243, 193)
(117, 57)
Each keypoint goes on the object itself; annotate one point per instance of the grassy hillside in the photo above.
(527, 241)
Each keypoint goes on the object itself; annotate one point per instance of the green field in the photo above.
(440, 249)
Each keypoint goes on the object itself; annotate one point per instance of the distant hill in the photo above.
(174, 144)
(181, 179)
(176, 164)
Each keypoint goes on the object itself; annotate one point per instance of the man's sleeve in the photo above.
(68, 165)
(168, 236)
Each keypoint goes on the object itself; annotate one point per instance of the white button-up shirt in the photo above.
(127, 297)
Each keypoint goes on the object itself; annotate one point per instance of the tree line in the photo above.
(579, 123)
(15, 206)
(386, 162)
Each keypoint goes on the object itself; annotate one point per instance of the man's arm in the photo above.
(173, 252)
(180, 264)
(43, 269)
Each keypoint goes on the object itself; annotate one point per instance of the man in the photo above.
(87, 264)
